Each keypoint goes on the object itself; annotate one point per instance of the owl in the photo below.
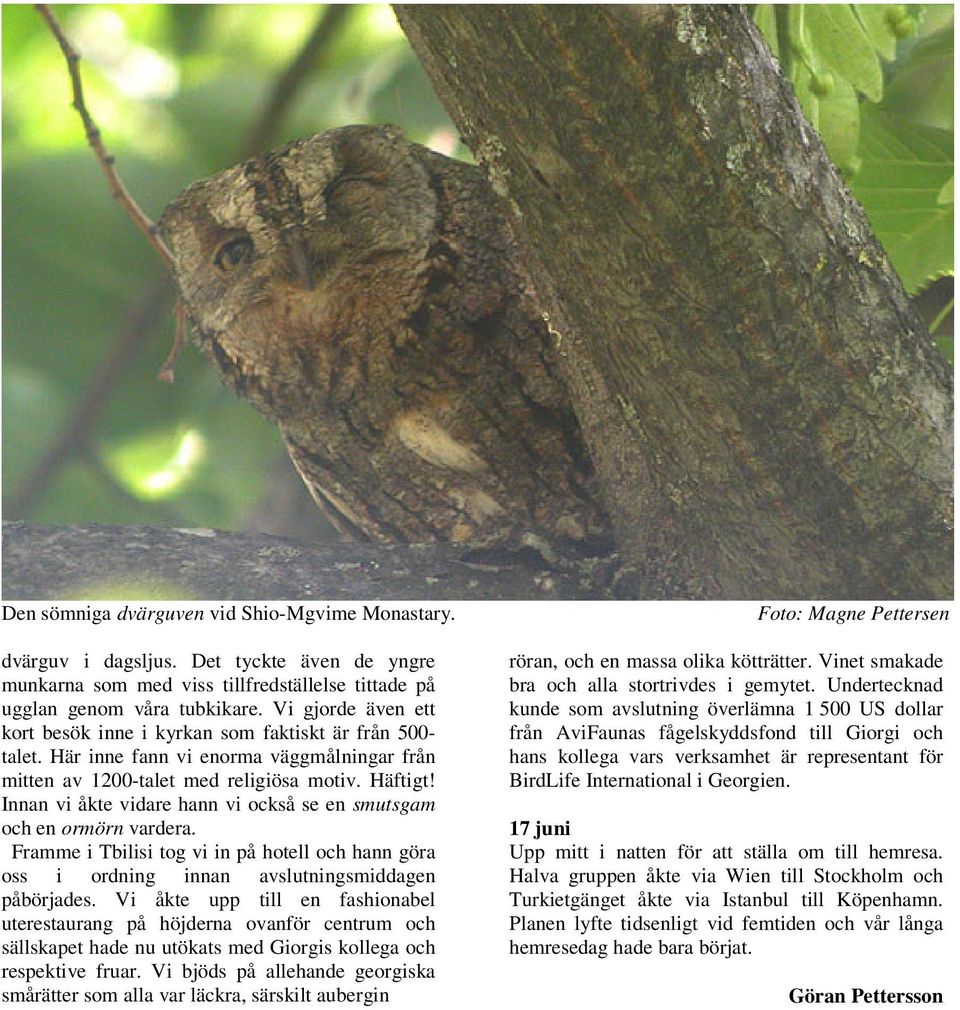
(362, 292)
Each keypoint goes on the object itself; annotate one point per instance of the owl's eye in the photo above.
(231, 254)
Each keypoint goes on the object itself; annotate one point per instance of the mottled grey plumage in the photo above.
(361, 291)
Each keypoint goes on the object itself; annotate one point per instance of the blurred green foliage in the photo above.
(177, 90)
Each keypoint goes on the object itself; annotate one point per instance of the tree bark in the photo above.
(145, 563)
(767, 412)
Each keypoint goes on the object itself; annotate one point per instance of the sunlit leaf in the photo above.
(877, 23)
(838, 44)
(156, 464)
(933, 17)
(904, 169)
(922, 90)
(835, 116)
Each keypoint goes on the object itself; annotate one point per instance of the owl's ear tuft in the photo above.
(370, 151)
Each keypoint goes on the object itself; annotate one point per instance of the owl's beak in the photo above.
(300, 261)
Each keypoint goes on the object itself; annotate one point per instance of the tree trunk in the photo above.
(766, 410)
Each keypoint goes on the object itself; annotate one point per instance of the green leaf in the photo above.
(809, 102)
(765, 18)
(876, 22)
(922, 88)
(933, 17)
(904, 170)
(835, 116)
(839, 125)
(946, 194)
(838, 43)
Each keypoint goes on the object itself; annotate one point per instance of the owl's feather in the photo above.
(361, 291)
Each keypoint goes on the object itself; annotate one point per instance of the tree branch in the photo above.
(141, 562)
(95, 140)
(152, 300)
